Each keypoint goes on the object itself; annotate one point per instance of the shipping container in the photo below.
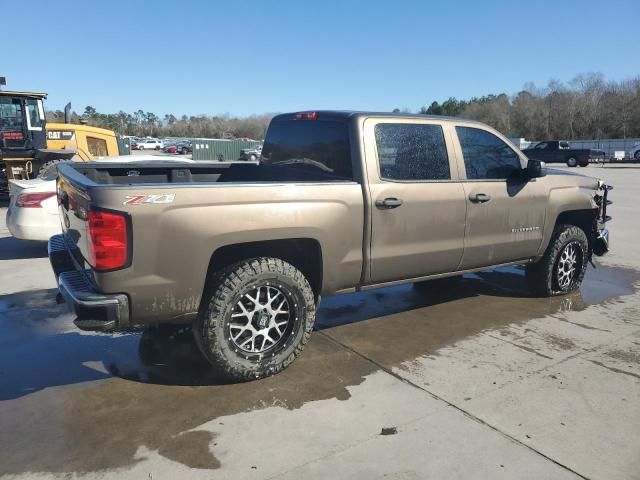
(207, 149)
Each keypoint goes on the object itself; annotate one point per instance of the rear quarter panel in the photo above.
(173, 243)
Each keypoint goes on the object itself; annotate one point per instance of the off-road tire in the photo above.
(542, 276)
(46, 165)
(212, 331)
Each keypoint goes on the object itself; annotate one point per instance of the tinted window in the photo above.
(412, 152)
(485, 155)
(315, 146)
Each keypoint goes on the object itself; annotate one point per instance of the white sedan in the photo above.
(33, 204)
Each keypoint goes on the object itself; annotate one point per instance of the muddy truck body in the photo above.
(338, 202)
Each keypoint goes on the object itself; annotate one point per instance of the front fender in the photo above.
(565, 200)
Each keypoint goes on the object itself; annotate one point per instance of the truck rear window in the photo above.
(318, 146)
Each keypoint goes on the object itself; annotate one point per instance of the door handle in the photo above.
(388, 203)
(479, 197)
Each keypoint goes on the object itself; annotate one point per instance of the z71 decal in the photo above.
(144, 199)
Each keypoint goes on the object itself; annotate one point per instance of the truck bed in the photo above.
(179, 215)
(155, 174)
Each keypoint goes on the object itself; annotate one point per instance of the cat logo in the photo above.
(146, 199)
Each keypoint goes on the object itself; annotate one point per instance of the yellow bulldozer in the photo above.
(28, 144)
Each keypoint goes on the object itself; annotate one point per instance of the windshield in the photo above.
(11, 118)
(12, 125)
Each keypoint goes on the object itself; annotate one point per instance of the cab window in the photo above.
(97, 146)
(35, 114)
(412, 152)
(486, 156)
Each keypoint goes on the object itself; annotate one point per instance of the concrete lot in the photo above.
(485, 382)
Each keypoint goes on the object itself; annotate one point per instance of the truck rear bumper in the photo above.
(94, 311)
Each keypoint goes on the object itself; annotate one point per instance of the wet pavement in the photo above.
(480, 380)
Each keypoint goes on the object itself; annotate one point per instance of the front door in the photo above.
(417, 201)
(505, 210)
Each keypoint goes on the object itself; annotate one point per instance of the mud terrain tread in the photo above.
(539, 275)
(227, 283)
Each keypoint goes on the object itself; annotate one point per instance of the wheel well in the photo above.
(585, 219)
(303, 253)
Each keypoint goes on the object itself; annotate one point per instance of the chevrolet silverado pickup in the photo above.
(561, 152)
(338, 202)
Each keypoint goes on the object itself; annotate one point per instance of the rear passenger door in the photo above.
(417, 203)
(505, 210)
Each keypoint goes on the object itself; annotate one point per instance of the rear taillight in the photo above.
(108, 240)
(33, 200)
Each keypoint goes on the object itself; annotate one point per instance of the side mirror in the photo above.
(536, 169)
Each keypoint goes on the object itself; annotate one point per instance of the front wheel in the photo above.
(258, 317)
(563, 265)
(572, 162)
(636, 156)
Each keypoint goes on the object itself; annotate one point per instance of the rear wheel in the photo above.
(637, 156)
(259, 316)
(572, 162)
(563, 265)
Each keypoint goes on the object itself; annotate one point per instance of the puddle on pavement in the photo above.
(102, 425)
(121, 392)
(407, 324)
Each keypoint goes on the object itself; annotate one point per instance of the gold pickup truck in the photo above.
(338, 202)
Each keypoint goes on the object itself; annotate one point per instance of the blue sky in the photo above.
(248, 57)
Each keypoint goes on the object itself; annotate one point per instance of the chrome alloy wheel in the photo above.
(260, 319)
(567, 267)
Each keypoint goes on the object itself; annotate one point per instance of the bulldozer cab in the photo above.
(22, 124)
(28, 143)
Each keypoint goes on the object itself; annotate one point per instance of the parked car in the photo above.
(251, 154)
(169, 148)
(33, 207)
(560, 152)
(149, 144)
(370, 200)
(184, 147)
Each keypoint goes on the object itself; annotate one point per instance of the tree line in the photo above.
(586, 107)
(144, 124)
